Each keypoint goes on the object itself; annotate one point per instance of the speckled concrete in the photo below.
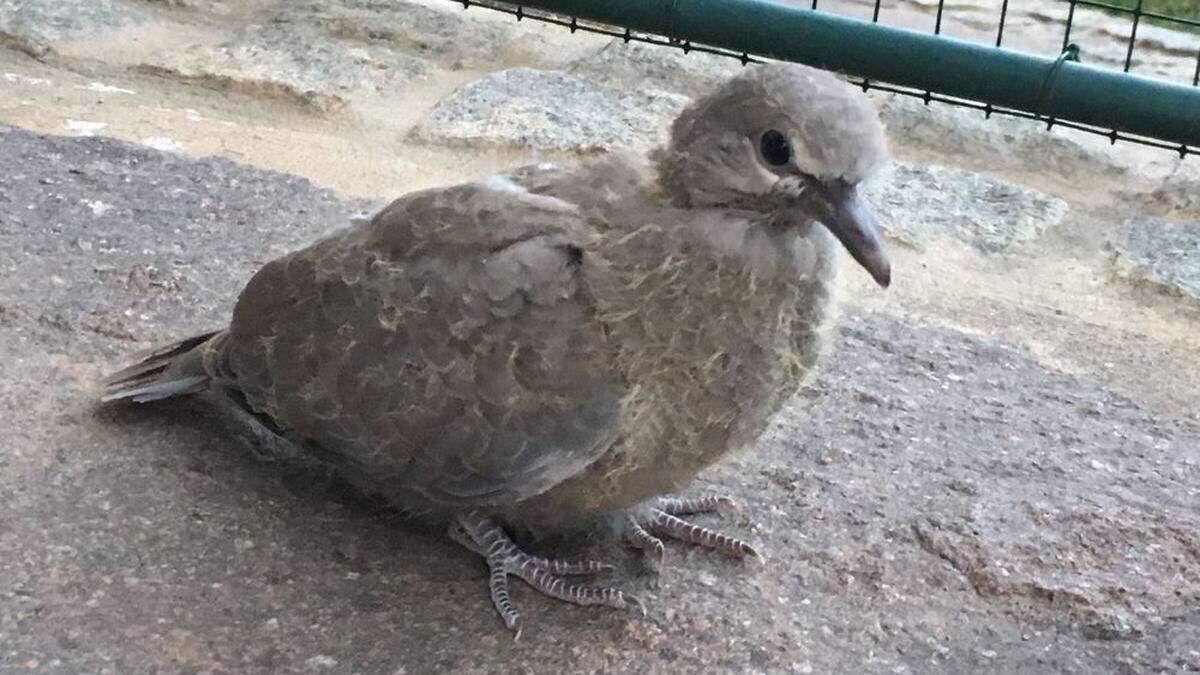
(935, 502)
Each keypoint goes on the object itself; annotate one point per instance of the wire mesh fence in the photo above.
(1182, 16)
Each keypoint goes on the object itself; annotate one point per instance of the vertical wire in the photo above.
(987, 108)
(866, 84)
(1137, 16)
(1003, 16)
(1070, 19)
(814, 4)
(937, 30)
(1196, 77)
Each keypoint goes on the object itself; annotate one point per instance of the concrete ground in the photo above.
(996, 470)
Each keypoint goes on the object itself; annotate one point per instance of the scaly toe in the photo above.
(667, 525)
(649, 544)
(571, 569)
(484, 536)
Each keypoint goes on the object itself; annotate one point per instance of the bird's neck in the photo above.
(704, 332)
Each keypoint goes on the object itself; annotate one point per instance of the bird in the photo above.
(561, 344)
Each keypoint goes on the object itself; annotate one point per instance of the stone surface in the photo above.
(214, 6)
(33, 26)
(86, 223)
(920, 204)
(438, 30)
(1179, 191)
(999, 141)
(1163, 255)
(1104, 38)
(666, 68)
(935, 502)
(549, 110)
(293, 60)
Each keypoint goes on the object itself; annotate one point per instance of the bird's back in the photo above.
(443, 354)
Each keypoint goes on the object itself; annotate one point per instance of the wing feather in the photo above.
(445, 352)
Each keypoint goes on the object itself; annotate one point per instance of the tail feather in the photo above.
(153, 376)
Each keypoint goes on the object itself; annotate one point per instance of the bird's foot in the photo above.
(485, 537)
(663, 521)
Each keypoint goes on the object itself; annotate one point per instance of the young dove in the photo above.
(560, 344)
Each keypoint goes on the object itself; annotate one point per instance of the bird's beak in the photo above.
(849, 219)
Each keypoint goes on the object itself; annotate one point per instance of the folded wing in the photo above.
(445, 353)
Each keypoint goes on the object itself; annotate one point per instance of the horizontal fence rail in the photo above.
(1116, 104)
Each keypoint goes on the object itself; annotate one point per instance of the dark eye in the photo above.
(775, 148)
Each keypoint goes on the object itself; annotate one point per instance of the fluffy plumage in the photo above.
(562, 342)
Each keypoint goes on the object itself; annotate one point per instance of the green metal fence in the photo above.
(1059, 90)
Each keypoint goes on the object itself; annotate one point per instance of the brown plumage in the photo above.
(544, 347)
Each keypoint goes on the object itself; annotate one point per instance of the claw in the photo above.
(687, 506)
(482, 535)
(728, 508)
(756, 556)
(636, 601)
(664, 522)
(721, 505)
(678, 528)
(498, 585)
(650, 545)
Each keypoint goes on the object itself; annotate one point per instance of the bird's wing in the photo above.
(447, 349)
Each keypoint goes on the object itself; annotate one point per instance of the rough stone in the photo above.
(437, 29)
(295, 61)
(1161, 254)
(1104, 37)
(919, 204)
(998, 141)
(549, 110)
(146, 539)
(33, 26)
(667, 68)
(212, 6)
(1179, 191)
(89, 222)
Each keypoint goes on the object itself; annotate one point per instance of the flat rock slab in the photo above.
(99, 235)
(666, 68)
(1161, 254)
(294, 60)
(998, 141)
(1179, 191)
(33, 26)
(933, 503)
(438, 30)
(920, 204)
(210, 6)
(549, 110)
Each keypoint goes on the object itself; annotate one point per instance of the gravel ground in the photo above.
(935, 502)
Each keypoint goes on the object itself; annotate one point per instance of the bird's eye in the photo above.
(775, 148)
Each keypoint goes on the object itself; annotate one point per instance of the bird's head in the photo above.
(789, 142)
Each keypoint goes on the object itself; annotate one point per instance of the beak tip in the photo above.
(884, 277)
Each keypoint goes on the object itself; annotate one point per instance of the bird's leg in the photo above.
(485, 537)
(687, 506)
(639, 538)
(663, 521)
